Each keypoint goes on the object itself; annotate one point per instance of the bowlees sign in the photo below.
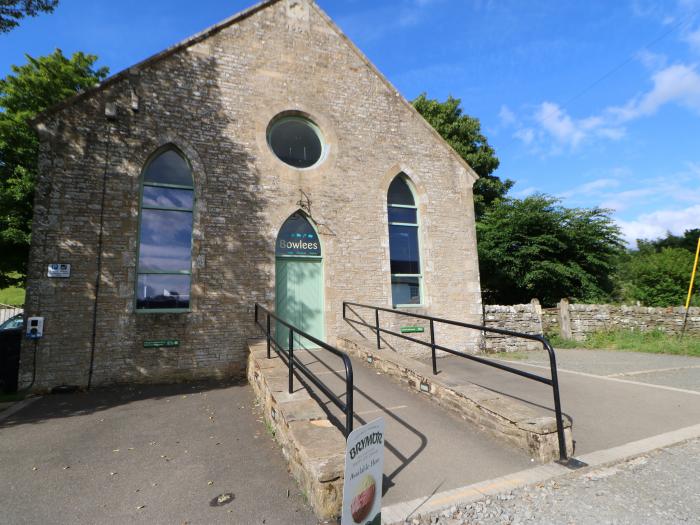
(298, 237)
(364, 468)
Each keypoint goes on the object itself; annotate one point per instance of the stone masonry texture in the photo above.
(213, 97)
(583, 320)
(588, 318)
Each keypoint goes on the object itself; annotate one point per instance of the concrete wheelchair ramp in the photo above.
(428, 449)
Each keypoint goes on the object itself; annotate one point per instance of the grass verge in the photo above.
(652, 342)
(17, 396)
(12, 296)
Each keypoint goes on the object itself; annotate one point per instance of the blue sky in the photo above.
(596, 102)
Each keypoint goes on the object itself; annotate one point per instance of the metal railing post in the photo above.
(432, 346)
(376, 324)
(557, 402)
(291, 361)
(349, 389)
(301, 368)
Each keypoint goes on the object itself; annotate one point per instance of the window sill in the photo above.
(408, 306)
(163, 311)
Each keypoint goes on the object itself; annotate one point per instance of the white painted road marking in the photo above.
(653, 371)
(608, 378)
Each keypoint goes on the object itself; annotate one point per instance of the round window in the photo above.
(296, 141)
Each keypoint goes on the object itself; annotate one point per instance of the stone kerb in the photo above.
(505, 418)
(313, 447)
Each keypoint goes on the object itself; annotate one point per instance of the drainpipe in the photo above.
(110, 114)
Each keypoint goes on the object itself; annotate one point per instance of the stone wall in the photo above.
(576, 321)
(588, 318)
(524, 318)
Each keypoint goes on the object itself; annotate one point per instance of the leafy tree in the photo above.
(32, 88)
(463, 133)
(687, 241)
(12, 11)
(656, 278)
(537, 248)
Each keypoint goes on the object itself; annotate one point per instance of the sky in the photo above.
(595, 102)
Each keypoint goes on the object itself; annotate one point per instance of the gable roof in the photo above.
(206, 33)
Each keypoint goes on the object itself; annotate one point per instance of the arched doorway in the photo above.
(299, 280)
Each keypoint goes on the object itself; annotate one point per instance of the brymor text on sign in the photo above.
(364, 468)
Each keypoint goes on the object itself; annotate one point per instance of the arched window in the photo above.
(403, 244)
(165, 238)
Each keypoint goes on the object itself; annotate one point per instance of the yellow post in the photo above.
(692, 277)
(690, 289)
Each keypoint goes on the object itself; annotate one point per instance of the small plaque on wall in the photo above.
(161, 343)
(59, 270)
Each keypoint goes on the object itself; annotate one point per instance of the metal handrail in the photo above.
(294, 364)
(553, 381)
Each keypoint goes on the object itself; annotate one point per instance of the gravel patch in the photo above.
(661, 487)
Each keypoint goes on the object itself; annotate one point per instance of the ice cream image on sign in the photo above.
(364, 499)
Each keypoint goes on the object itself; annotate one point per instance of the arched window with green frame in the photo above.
(165, 234)
(404, 246)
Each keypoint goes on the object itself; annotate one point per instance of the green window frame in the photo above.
(166, 223)
(404, 241)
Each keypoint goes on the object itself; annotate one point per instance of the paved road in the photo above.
(149, 454)
(669, 370)
(427, 448)
(606, 411)
(657, 488)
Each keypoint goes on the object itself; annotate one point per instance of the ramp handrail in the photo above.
(294, 364)
(553, 381)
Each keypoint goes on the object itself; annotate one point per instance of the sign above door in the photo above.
(297, 237)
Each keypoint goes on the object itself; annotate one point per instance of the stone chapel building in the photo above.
(262, 160)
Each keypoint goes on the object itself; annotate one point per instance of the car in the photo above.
(13, 323)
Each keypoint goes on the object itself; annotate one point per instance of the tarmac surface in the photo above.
(145, 454)
(170, 454)
(612, 397)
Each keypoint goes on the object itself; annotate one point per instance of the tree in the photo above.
(12, 11)
(687, 241)
(463, 133)
(656, 278)
(32, 88)
(537, 248)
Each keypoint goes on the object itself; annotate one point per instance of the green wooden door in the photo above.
(299, 299)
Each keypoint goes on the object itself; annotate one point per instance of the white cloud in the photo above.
(506, 116)
(525, 192)
(656, 224)
(653, 61)
(594, 188)
(693, 39)
(556, 123)
(559, 124)
(620, 201)
(526, 135)
(678, 83)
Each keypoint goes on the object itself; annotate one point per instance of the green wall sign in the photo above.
(161, 343)
(412, 329)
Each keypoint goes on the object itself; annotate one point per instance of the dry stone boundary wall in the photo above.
(576, 321)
